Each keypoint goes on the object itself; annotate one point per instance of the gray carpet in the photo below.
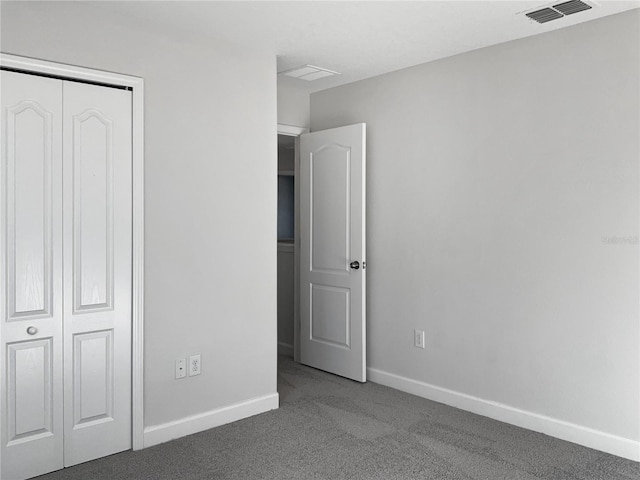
(331, 428)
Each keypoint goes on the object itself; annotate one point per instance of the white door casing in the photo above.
(31, 254)
(136, 86)
(332, 236)
(97, 271)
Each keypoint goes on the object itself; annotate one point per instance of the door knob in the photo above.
(32, 330)
(355, 265)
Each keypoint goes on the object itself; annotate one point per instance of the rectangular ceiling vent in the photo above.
(571, 7)
(544, 15)
(308, 73)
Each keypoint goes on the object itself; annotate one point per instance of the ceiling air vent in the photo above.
(544, 15)
(308, 72)
(573, 6)
(559, 10)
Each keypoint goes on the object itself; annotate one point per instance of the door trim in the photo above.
(292, 131)
(136, 84)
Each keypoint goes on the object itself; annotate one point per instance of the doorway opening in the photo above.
(329, 249)
(286, 243)
(288, 239)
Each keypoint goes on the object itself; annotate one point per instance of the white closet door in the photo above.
(97, 271)
(31, 258)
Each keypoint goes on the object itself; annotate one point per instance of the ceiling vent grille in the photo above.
(544, 15)
(554, 12)
(572, 6)
(308, 73)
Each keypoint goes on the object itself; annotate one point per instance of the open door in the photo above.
(332, 251)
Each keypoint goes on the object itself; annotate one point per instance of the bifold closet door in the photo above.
(97, 271)
(65, 252)
(31, 256)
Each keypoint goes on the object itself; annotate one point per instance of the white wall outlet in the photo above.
(181, 368)
(194, 365)
(418, 338)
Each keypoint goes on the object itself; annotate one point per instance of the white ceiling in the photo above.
(359, 39)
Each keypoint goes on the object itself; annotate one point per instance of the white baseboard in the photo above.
(620, 446)
(285, 349)
(197, 423)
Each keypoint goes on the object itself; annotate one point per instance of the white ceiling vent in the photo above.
(559, 10)
(308, 73)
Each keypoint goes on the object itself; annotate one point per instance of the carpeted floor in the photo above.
(331, 428)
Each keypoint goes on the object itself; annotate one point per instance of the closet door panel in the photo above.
(92, 210)
(97, 271)
(29, 163)
(31, 408)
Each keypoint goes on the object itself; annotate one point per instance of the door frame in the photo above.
(292, 131)
(136, 85)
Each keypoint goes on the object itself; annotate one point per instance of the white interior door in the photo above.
(65, 252)
(332, 251)
(97, 271)
(31, 257)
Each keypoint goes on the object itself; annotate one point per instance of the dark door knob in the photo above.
(355, 265)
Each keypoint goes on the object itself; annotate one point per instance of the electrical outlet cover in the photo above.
(194, 365)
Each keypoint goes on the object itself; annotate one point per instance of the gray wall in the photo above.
(201, 175)
(496, 180)
(293, 105)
